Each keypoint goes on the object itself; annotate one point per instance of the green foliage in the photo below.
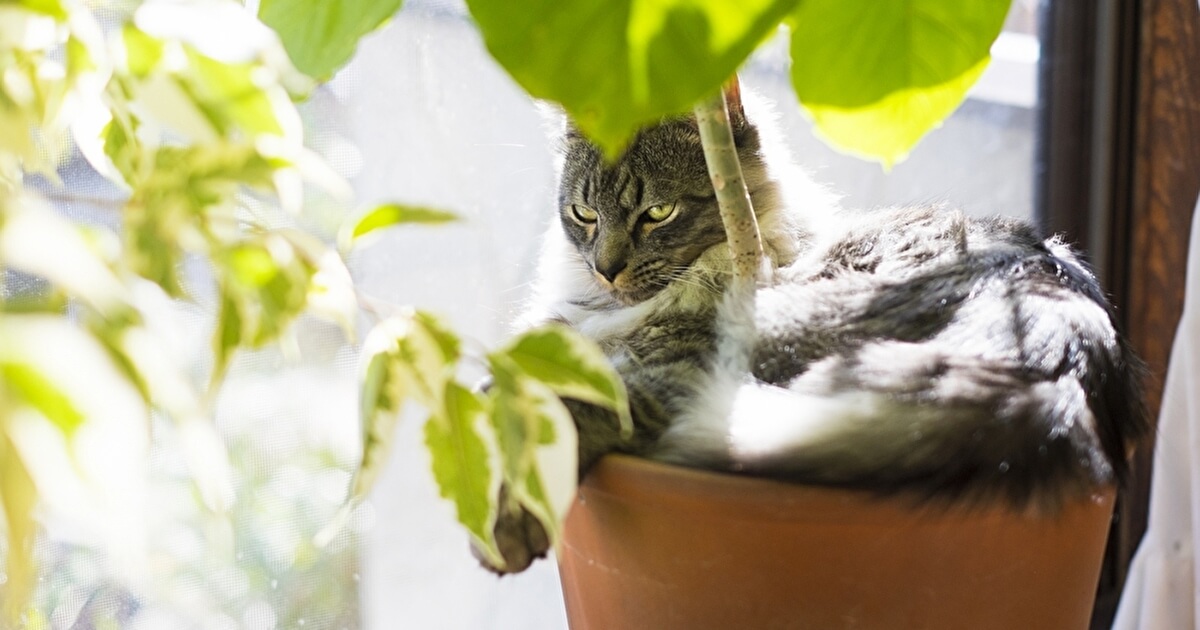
(193, 131)
(201, 132)
(617, 65)
(569, 366)
(31, 388)
(876, 76)
(18, 499)
(390, 215)
(263, 285)
(413, 358)
(320, 36)
(69, 422)
(406, 357)
(461, 464)
(526, 413)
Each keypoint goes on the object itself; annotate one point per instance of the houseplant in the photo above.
(262, 292)
(654, 546)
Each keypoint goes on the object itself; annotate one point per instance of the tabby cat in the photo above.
(905, 350)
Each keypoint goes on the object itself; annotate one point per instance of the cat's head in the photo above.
(639, 222)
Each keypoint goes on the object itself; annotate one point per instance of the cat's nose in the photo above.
(610, 271)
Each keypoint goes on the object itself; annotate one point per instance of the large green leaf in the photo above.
(877, 76)
(618, 64)
(320, 36)
(461, 464)
(571, 366)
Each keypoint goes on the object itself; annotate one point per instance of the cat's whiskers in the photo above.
(688, 277)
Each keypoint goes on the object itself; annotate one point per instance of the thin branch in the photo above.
(100, 202)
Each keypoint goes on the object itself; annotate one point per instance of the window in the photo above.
(425, 116)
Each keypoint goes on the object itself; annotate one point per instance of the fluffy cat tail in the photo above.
(935, 421)
(1034, 448)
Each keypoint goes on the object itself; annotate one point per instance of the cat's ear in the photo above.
(572, 131)
(558, 126)
(733, 102)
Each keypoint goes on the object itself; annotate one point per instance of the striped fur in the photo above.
(899, 350)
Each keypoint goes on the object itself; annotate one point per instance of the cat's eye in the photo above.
(659, 213)
(583, 214)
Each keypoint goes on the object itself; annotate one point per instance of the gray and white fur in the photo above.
(903, 350)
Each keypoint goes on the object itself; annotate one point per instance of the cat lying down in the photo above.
(905, 350)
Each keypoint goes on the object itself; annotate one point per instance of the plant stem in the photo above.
(737, 214)
(735, 347)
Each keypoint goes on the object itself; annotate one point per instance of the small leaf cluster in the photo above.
(514, 432)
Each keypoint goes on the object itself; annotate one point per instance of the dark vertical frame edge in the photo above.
(1084, 188)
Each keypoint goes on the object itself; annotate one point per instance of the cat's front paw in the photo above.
(520, 538)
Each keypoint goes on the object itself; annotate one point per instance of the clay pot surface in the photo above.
(647, 545)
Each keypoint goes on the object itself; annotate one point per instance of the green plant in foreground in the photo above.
(190, 110)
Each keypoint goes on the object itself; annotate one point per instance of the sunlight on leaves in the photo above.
(321, 36)
(571, 366)
(331, 293)
(264, 285)
(76, 428)
(876, 77)
(18, 498)
(30, 387)
(142, 52)
(462, 465)
(615, 65)
(514, 419)
(537, 442)
(38, 241)
(381, 397)
(410, 355)
(187, 108)
(53, 8)
(390, 215)
(557, 460)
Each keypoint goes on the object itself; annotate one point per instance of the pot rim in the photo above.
(639, 481)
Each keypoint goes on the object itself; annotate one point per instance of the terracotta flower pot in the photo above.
(648, 545)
